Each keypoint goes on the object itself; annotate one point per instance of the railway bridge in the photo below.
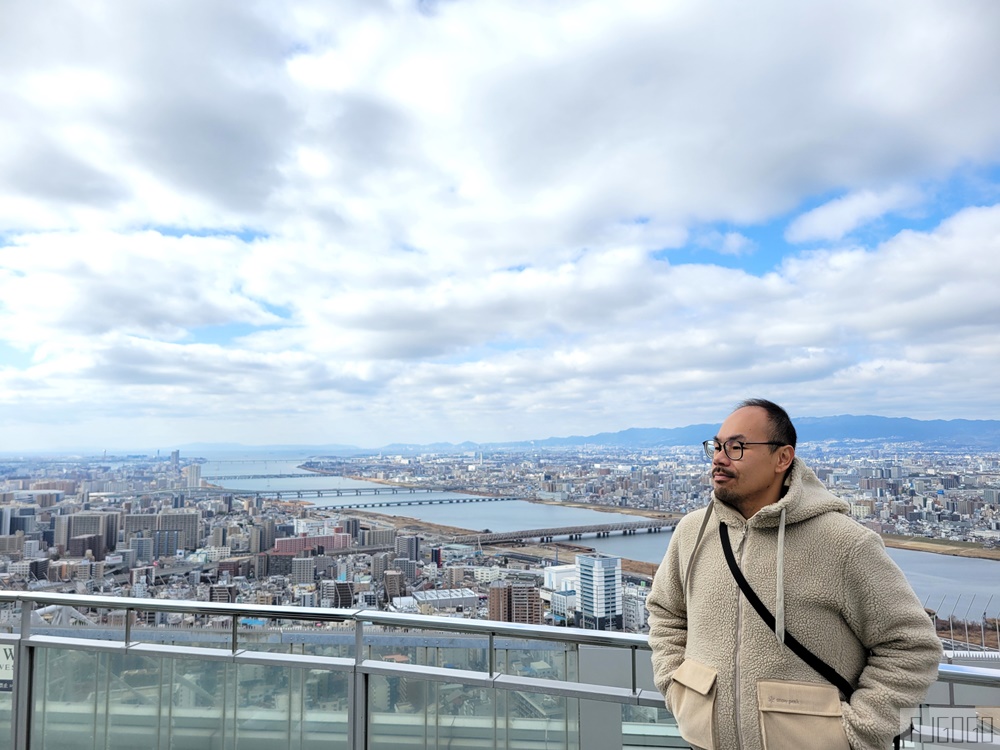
(570, 532)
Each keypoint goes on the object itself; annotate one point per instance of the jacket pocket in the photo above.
(800, 714)
(691, 698)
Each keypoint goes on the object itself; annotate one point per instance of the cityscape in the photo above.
(168, 527)
(261, 262)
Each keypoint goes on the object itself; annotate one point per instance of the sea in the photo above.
(968, 588)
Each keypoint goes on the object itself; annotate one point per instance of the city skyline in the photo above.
(443, 222)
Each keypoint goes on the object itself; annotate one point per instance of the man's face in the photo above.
(755, 480)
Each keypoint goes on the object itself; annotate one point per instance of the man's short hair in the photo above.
(782, 429)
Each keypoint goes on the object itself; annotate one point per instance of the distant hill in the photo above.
(941, 434)
(952, 434)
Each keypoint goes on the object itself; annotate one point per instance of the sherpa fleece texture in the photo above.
(845, 599)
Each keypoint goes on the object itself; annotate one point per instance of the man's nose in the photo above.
(720, 458)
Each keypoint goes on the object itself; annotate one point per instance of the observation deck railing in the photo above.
(93, 672)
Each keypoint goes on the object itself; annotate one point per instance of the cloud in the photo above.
(839, 217)
(400, 221)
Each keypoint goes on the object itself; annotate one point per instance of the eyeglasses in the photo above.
(732, 448)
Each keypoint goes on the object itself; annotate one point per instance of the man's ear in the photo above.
(785, 455)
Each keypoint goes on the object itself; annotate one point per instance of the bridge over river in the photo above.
(352, 492)
(570, 532)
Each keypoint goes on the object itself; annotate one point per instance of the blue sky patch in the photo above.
(243, 234)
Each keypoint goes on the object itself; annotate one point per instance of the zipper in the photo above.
(741, 551)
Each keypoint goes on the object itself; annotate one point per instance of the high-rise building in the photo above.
(408, 568)
(352, 526)
(374, 537)
(166, 542)
(599, 600)
(380, 564)
(408, 547)
(515, 601)
(79, 546)
(187, 522)
(143, 548)
(303, 570)
(139, 522)
(104, 525)
(193, 474)
(338, 594)
(394, 584)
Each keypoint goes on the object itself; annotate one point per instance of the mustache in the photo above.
(723, 472)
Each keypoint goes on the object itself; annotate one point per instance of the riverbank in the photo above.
(941, 547)
(915, 543)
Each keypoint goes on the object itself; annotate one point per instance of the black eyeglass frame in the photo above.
(711, 450)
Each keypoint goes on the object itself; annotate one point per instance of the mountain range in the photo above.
(938, 434)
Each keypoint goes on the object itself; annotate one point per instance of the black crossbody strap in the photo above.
(797, 648)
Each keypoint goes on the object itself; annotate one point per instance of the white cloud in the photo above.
(839, 217)
(468, 220)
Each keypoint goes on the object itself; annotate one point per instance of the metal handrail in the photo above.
(323, 614)
(951, 673)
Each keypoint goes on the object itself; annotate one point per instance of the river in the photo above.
(950, 585)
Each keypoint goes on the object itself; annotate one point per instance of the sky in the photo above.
(373, 221)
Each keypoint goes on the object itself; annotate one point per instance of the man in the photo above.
(729, 678)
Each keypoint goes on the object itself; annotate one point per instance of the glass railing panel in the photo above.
(325, 710)
(645, 726)
(6, 712)
(424, 715)
(532, 720)
(428, 648)
(267, 703)
(551, 660)
(199, 696)
(326, 639)
(132, 693)
(66, 688)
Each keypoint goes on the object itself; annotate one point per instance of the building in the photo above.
(139, 523)
(563, 607)
(303, 570)
(302, 543)
(187, 522)
(143, 548)
(395, 585)
(457, 600)
(407, 566)
(166, 542)
(377, 537)
(560, 577)
(514, 601)
(408, 547)
(193, 475)
(337, 594)
(599, 592)
(380, 564)
(634, 613)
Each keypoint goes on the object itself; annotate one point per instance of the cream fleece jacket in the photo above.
(844, 599)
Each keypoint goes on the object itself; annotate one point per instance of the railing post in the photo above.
(635, 679)
(491, 654)
(357, 718)
(235, 642)
(22, 680)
